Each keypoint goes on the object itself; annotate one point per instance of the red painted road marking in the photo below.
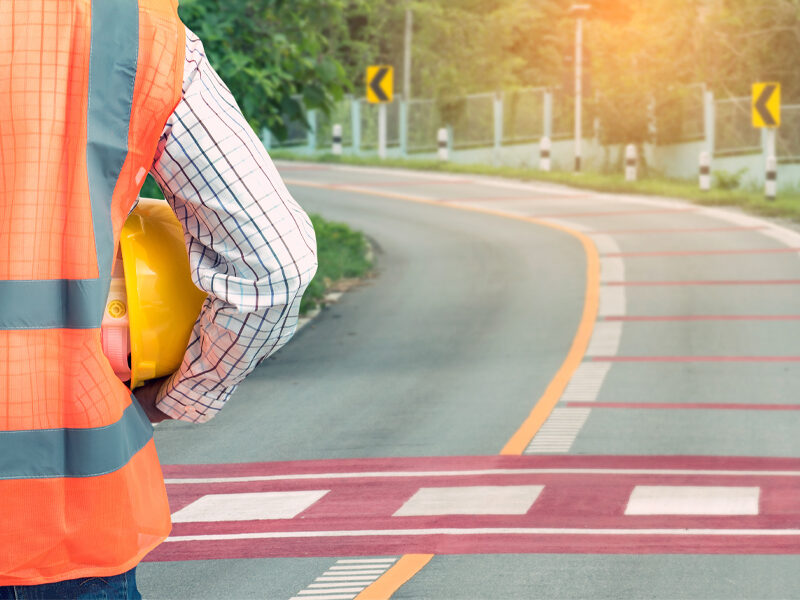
(679, 230)
(755, 359)
(642, 318)
(706, 282)
(685, 405)
(699, 252)
(581, 507)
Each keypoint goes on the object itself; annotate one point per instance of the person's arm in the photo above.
(251, 246)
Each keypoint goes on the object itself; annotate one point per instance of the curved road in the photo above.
(635, 360)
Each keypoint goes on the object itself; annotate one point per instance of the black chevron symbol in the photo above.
(761, 105)
(375, 84)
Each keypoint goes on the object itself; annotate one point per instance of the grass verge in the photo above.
(343, 256)
(786, 206)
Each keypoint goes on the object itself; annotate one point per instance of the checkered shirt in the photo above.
(251, 246)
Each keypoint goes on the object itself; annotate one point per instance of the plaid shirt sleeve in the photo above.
(251, 246)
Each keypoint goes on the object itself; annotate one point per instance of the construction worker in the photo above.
(94, 94)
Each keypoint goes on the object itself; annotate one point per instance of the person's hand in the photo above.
(146, 395)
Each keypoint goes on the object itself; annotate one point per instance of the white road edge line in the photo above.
(467, 473)
(349, 561)
(480, 531)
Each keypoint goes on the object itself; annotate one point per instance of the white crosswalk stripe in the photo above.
(346, 579)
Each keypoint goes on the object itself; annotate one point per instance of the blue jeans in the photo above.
(117, 587)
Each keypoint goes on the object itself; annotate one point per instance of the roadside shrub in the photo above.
(725, 180)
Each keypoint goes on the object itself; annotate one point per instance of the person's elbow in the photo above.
(284, 278)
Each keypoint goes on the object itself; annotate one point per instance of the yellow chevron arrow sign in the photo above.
(380, 84)
(766, 105)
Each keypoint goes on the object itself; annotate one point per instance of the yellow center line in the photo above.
(387, 584)
(409, 565)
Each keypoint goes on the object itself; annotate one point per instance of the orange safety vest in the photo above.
(86, 87)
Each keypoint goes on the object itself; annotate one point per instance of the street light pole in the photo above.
(579, 10)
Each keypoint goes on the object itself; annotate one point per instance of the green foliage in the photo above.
(275, 56)
(725, 180)
(640, 55)
(467, 46)
(744, 41)
(342, 253)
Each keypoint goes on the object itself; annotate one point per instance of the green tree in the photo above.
(276, 56)
(639, 63)
(745, 41)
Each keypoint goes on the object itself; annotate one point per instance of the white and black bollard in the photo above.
(545, 163)
(771, 183)
(705, 171)
(444, 153)
(337, 140)
(630, 163)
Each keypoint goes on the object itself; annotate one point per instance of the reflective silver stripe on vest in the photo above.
(51, 304)
(79, 304)
(45, 453)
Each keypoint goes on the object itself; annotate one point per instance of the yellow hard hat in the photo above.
(159, 304)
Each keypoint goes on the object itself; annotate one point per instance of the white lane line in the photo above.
(330, 590)
(693, 500)
(471, 500)
(612, 269)
(333, 586)
(483, 531)
(247, 506)
(559, 431)
(736, 218)
(605, 243)
(347, 576)
(586, 382)
(562, 428)
(613, 302)
(784, 236)
(605, 339)
(353, 573)
(353, 578)
(360, 567)
(467, 472)
(566, 224)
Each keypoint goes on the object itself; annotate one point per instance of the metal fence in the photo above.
(733, 131)
(472, 122)
(471, 119)
(523, 115)
(341, 114)
(369, 124)
(423, 123)
(563, 125)
(788, 136)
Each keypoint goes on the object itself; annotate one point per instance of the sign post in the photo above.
(380, 90)
(766, 106)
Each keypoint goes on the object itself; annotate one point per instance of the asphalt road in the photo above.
(651, 346)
